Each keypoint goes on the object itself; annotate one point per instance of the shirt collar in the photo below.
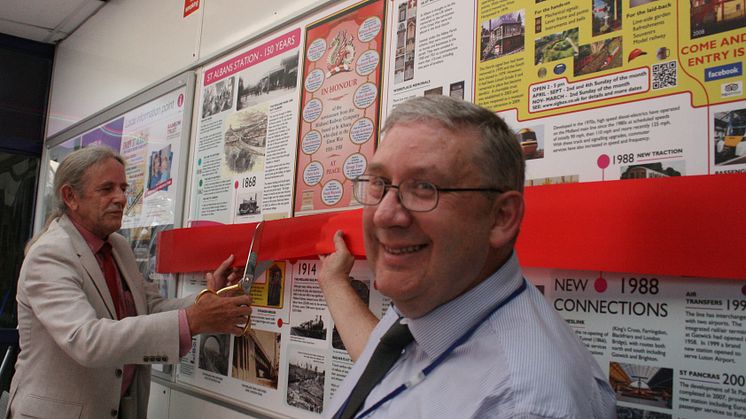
(93, 241)
(435, 331)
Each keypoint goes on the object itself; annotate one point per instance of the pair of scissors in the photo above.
(252, 270)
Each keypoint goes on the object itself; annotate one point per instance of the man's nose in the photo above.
(390, 211)
(120, 195)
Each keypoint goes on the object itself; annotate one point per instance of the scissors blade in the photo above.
(251, 272)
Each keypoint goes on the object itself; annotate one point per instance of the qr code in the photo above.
(664, 75)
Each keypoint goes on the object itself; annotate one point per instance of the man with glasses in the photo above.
(443, 205)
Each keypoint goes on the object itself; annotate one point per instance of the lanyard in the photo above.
(439, 360)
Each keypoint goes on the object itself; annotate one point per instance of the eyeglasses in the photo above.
(414, 195)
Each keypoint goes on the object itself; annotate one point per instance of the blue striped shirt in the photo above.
(522, 362)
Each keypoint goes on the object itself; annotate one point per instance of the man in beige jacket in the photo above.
(87, 338)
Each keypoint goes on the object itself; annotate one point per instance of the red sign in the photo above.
(190, 6)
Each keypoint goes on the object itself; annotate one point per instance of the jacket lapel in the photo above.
(89, 263)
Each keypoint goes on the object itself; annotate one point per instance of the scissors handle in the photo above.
(226, 290)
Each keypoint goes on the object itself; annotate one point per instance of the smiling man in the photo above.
(467, 335)
(89, 325)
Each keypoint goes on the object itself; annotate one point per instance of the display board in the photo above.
(244, 150)
(340, 106)
(672, 348)
(596, 91)
(151, 132)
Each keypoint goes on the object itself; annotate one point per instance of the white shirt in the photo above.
(522, 362)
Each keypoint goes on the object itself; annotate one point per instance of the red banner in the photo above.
(679, 226)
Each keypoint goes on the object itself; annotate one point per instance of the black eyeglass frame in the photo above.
(438, 190)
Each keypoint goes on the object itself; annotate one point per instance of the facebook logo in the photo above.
(723, 71)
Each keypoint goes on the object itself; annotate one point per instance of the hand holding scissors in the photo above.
(251, 272)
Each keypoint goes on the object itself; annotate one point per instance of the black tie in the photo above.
(384, 357)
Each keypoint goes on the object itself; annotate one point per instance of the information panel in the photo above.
(673, 348)
(243, 155)
(340, 105)
(150, 131)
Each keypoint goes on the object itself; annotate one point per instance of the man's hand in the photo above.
(219, 314)
(336, 267)
(352, 317)
(223, 276)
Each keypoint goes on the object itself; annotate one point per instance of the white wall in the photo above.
(130, 45)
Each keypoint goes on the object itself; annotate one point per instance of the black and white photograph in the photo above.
(245, 140)
(308, 325)
(268, 80)
(435, 91)
(306, 377)
(218, 97)
(249, 203)
(406, 36)
(213, 353)
(457, 90)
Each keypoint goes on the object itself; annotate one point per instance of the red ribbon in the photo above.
(678, 226)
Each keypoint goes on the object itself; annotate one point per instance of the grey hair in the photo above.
(500, 157)
(71, 172)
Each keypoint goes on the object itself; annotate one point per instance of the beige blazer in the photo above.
(72, 347)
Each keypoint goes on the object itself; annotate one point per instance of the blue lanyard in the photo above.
(439, 360)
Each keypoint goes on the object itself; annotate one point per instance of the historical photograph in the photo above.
(406, 31)
(275, 278)
(256, 358)
(217, 97)
(249, 203)
(213, 353)
(308, 325)
(457, 90)
(268, 80)
(245, 140)
(434, 91)
(306, 379)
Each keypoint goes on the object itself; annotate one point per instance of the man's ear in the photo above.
(507, 211)
(69, 196)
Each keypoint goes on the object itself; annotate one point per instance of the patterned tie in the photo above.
(384, 357)
(112, 277)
